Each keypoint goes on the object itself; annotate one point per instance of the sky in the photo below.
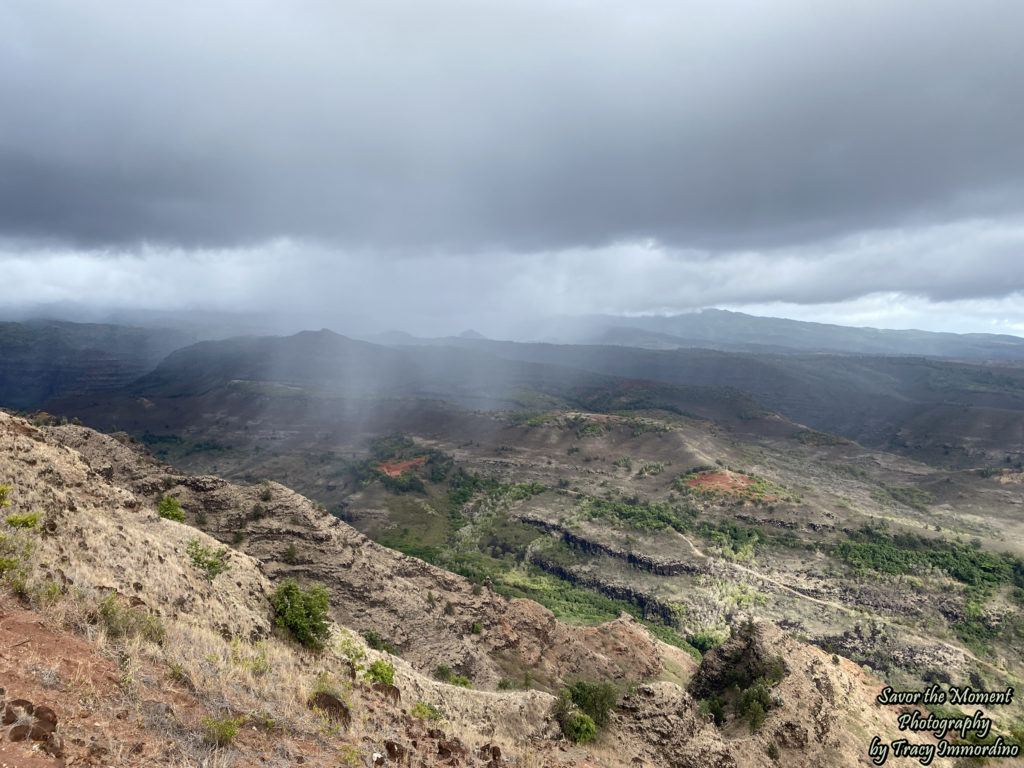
(435, 166)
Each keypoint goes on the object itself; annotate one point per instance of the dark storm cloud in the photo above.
(512, 126)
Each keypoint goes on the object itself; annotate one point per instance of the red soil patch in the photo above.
(394, 469)
(722, 482)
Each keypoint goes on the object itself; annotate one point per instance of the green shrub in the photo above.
(221, 730)
(4, 490)
(15, 551)
(303, 613)
(444, 673)
(349, 647)
(25, 520)
(212, 562)
(712, 706)
(382, 672)
(291, 555)
(378, 643)
(595, 699)
(169, 509)
(755, 716)
(650, 469)
(579, 727)
(426, 711)
(265, 494)
(506, 684)
(754, 702)
(703, 641)
(476, 629)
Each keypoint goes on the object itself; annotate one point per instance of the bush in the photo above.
(382, 672)
(712, 707)
(445, 675)
(703, 641)
(291, 555)
(755, 716)
(595, 699)
(4, 490)
(426, 711)
(476, 629)
(221, 730)
(303, 613)
(169, 509)
(25, 520)
(378, 643)
(579, 727)
(213, 562)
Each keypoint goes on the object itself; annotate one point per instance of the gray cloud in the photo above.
(523, 127)
(965, 274)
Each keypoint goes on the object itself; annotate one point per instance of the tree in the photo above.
(170, 509)
(303, 613)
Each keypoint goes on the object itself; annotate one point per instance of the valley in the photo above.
(673, 509)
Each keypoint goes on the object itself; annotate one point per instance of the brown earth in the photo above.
(720, 481)
(396, 468)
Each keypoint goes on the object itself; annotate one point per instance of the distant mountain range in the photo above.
(963, 412)
(721, 329)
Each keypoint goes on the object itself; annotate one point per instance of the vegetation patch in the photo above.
(645, 516)
(813, 437)
(378, 643)
(169, 509)
(907, 495)
(121, 620)
(26, 520)
(872, 548)
(426, 711)
(444, 673)
(381, 671)
(583, 707)
(221, 731)
(211, 562)
(302, 612)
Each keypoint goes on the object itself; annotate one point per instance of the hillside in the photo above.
(960, 414)
(150, 646)
(43, 359)
(721, 329)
